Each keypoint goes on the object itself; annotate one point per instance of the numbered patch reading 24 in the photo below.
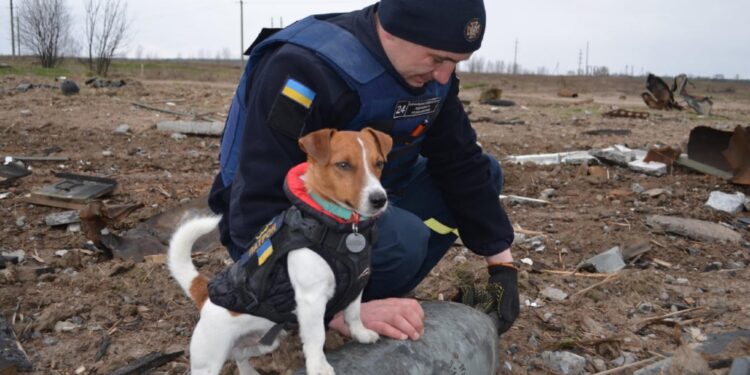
(411, 108)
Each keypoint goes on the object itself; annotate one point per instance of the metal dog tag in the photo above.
(355, 242)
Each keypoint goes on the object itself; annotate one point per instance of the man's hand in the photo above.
(397, 318)
(503, 289)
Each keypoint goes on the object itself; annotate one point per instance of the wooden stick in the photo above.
(40, 158)
(578, 274)
(634, 364)
(609, 278)
(146, 106)
(648, 321)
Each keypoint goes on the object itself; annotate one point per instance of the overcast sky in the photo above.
(666, 37)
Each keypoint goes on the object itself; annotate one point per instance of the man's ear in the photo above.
(317, 145)
(384, 141)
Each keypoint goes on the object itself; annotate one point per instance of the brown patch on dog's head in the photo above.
(337, 167)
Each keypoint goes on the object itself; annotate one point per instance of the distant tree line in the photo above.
(47, 27)
(479, 64)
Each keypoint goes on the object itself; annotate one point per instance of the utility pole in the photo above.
(580, 61)
(281, 22)
(12, 31)
(242, 31)
(515, 59)
(18, 34)
(587, 58)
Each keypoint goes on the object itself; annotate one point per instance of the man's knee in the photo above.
(496, 173)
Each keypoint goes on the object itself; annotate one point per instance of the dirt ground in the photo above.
(92, 315)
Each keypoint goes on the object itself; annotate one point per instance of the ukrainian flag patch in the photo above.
(298, 92)
(264, 252)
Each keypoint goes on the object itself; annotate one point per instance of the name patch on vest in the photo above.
(411, 108)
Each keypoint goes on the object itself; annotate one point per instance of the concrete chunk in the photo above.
(564, 362)
(617, 154)
(572, 157)
(191, 127)
(695, 229)
(730, 203)
(609, 261)
(653, 168)
(62, 218)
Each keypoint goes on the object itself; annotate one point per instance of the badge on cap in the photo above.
(472, 30)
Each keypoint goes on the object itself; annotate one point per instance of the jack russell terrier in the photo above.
(304, 266)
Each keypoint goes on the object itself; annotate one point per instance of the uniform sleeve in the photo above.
(462, 172)
(291, 93)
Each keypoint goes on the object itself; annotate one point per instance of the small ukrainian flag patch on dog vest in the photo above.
(298, 92)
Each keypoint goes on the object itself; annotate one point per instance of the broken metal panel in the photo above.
(12, 171)
(77, 187)
(706, 145)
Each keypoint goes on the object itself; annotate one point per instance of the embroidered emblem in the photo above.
(298, 92)
(472, 30)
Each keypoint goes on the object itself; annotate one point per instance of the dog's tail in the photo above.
(179, 262)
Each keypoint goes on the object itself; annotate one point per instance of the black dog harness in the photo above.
(258, 283)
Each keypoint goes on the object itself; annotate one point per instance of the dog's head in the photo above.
(345, 167)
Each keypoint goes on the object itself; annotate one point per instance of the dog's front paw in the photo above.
(320, 368)
(365, 336)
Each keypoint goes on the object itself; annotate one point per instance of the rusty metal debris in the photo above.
(659, 96)
(720, 153)
(666, 154)
(97, 215)
(567, 93)
(738, 155)
(626, 113)
(700, 104)
(490, 94)
(608, 132)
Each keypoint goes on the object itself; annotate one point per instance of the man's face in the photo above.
(418, 64)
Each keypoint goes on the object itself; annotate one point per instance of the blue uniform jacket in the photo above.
(269, 149)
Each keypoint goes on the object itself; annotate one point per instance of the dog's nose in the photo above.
(378, 199)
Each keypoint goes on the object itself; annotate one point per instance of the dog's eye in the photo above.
(344, 166)
(379, 164)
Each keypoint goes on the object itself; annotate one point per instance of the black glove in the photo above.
(503, 292)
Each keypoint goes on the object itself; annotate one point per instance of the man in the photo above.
(390, 66)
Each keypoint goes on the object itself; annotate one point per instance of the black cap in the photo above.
(448, 25)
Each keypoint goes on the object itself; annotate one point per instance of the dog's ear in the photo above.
(317, 145)
(384, 141)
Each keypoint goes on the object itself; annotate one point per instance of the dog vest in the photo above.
(258, 283)
(384, 103)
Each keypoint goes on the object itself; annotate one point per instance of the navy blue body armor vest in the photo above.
(384, 103)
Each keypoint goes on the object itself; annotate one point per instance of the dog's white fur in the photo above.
(221, 334)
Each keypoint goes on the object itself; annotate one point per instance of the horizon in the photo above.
(666, 38)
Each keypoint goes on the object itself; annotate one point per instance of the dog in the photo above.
(343, 167)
